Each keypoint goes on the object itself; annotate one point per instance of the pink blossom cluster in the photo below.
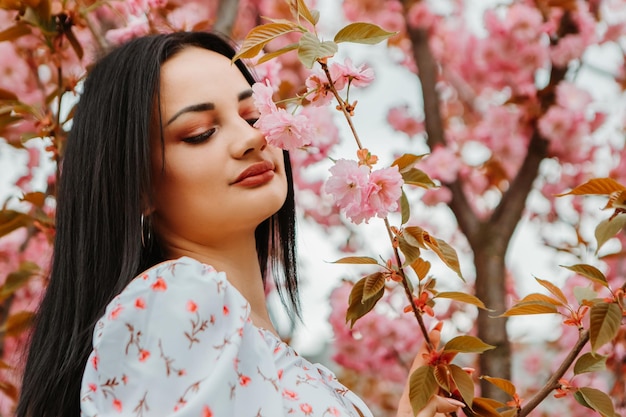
(347, 74)
(380, 344)
(507, 57)
(37, 250)
(361, 193)
(568, 124)
(399, 118)
(282, 129)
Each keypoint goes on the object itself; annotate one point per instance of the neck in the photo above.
(237, 257)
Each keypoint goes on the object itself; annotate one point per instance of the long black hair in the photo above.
(102, 193)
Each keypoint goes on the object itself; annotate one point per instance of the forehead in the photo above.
(196, 75)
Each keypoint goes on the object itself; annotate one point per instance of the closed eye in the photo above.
(201, 137)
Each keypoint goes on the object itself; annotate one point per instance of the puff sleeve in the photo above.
(178, 341)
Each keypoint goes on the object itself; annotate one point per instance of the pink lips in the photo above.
(256, 174)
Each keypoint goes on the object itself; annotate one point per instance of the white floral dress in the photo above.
(178, 341)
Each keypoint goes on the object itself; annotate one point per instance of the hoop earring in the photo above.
(146, 231)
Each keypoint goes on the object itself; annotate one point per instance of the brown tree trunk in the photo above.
(490, 287)
(226, 17)
(489, 239)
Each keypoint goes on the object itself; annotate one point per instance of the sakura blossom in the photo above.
(384, 190)
(346, 184)
(285, 130)
(360, 76)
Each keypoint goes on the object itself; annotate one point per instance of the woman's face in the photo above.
(219, 176)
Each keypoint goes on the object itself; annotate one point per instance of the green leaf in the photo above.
(418, 177)
(360, 32)
(447, 254)
(536, 307)
(464, 383)
(311, 16)
(537, 297)
(597, 400)
(504, 384)
(410, 252)
(405, 208)
(17, 279)
(422, 386)
(356, 260)
(462, 297)
(421, 268)
(35, 198)
(11, 220)
(9, 390)
(604, 322)
(357, 307)
(608, 229)
(311, 49)
(17, 323)
(583, 294)
(442, 376)
(15, 31)
(7, 119)
(589, 362)
(259, 36)
(486, 407)
(278, 52)
(374, 284)
(467, 344)
(407, 161)
(6, 95)
(590, 272)
(444, 251)
(556, 291)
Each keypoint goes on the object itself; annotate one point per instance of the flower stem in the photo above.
(405, 283)
(407, 291)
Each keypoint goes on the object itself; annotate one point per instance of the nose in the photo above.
(246, 139)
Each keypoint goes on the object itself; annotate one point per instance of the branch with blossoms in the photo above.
(363, 192)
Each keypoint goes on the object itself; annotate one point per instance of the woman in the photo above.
(165, 179)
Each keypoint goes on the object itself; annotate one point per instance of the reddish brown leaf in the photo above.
(596, 186)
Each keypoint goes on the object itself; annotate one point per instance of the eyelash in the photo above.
(201, 137)
(206, 135)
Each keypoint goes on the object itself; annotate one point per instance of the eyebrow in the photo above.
(206, 106)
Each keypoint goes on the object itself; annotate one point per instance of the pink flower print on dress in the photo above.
(115, 312)
(144, 355)
(93, 387)
(191, 306)
(140, 303)
(306, 408)
(333, 411)
(159, 285)
(225, 310)
(292, 395)
(94, 362)
(117, 404)
(244, 380)
(206, 411)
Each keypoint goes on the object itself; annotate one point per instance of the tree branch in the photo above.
(552, 383)
(428, 75)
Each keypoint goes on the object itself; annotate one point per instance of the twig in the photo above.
(552, 383)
